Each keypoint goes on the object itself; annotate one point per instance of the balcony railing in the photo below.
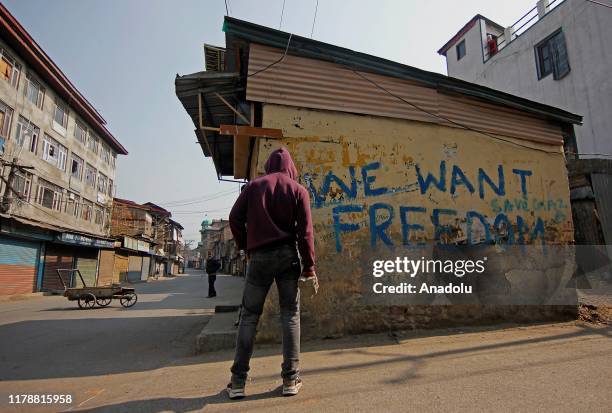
(522, 25)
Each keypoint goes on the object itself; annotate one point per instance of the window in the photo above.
(54, 152)
(99, 215)
(460, 48)
(49, 195)
(72, 205)
(105, 153)
(80, 132)
(76, 167)
(34, 92)
(26, 134)
(92, 143)
(110, 188)
(552, 57)
(86, 210)
(6, 114)
(102, 184)
(9, 68)
(90, 175)
(22, 183)
(60, 118)
(113, 159)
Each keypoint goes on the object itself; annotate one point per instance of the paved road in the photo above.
(145, 364)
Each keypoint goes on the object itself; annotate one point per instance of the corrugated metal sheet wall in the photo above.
(146, 263)
(120, 269)
(57, 257)
(105, 269)
(18, 265)
(87, 263)
(134, 267)
(309, 83)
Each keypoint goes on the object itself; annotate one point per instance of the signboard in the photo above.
(77, 239)
(143, 246)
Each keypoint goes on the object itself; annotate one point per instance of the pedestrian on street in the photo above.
(212, 266)
(271, 216)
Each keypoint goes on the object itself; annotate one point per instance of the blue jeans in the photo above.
(282, 265)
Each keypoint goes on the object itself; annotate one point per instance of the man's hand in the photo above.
(308, 274)
(311, 276)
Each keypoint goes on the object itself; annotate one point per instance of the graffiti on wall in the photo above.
(358, 201)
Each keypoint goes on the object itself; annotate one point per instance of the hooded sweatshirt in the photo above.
(275, 209)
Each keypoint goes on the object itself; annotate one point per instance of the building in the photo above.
(396, 159)
(175, 248)
(132, 228)
(58, 164)
(150, 243)
(555, 54)
(218, 241)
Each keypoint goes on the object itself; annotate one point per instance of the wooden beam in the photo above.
(240, 115)
(200, 114)
(250, 131)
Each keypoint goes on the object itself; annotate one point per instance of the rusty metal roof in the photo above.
(208, 85)
(238, 30)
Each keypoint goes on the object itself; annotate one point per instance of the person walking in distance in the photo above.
(212, 266)
(271, 216)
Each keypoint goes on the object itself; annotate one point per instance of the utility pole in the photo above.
(5, 205)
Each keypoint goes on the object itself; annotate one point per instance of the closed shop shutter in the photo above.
(18, 265)
(57, 257)
(105, 269)
(120, 269)
(87, 263)
(146, 262)
(134, 267)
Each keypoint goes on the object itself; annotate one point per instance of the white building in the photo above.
(556, 54)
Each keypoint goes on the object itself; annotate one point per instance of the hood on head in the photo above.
(280, 161)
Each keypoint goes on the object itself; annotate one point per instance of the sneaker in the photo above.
(235, 391)
(291, 387)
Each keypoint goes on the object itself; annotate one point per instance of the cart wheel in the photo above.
(128, 300)
(87, 301)
(103, 301)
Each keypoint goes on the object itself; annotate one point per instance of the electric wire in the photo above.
(280, 24)
(314, 19)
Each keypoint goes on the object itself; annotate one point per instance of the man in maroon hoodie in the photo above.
(271, 216)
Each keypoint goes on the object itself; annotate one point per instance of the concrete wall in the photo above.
(378, 161)
(43, 119)
(586, 90)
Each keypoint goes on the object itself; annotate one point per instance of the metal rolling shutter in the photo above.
(120, 269)
(105, 270)
(87, 263)
(18, 264)
(134, 267)
(146, 262)
(57, 257)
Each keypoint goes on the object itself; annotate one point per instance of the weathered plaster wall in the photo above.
(379, 183)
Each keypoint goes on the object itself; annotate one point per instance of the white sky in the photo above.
(123, 56)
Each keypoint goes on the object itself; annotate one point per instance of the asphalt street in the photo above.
(142, 360)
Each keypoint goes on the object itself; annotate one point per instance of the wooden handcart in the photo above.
(88, 297)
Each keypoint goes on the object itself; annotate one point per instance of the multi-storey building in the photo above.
(58, 169)
(555, 54)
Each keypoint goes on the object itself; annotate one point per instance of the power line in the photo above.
(226, 9)
(314, 19)
(276, 62)
(600, 4)
(281, 18)
(435, 115)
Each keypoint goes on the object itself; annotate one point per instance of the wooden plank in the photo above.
(250, 131)
(241, 155)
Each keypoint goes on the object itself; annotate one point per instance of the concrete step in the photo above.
(219, 333)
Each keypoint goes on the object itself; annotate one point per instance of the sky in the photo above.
(123, 55)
